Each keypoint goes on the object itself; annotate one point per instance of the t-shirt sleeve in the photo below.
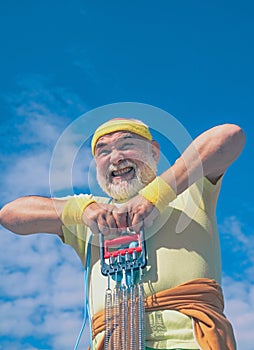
(75, 235)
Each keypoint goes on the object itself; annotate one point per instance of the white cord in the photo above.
(86, 297)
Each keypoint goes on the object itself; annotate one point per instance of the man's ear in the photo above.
(155, 151)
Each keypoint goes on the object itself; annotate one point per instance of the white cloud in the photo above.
(240, 310)
(41, 290)
(232, 227)
(28, 174)
(69, 163)
(41, 287)
(41, 116)
(40, 126)
(239, 239)
(239, 290)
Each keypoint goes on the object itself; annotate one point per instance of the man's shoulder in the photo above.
(99, 199)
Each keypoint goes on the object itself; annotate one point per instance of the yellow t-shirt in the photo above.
(182, 245)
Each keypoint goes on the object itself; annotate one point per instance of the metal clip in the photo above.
(120, 253)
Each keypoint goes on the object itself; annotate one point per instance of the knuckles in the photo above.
(107, 218)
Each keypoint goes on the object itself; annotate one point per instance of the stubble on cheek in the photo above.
(124, 188)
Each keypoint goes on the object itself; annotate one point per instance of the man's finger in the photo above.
(120, 217)
(136, 222)
(94, 227)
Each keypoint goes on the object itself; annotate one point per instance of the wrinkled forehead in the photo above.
(114, 136)
(132, 126)
(118, 137)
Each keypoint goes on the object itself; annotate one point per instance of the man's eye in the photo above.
(103, 152)
(125, 146)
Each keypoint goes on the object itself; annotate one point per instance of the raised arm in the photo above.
(210, 154)
(33, 214)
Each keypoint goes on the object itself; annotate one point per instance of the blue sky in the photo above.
(61, 59)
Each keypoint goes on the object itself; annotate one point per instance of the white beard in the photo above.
(126, 189)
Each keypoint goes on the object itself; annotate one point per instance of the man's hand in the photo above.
(138, 212)
(100, 219)
(111, 220)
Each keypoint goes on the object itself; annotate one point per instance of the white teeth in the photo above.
(121, 171)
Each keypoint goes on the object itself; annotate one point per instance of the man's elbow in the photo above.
(236, 137)
(7, 218)
(5, 215)
(236, 131)
(239, 137)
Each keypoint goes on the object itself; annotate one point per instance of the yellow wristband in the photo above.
(159, 193)
(74, 208)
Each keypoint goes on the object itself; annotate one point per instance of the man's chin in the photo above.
(124, 190)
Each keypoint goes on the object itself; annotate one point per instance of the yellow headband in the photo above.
(119, 124)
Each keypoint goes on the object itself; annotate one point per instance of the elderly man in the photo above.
(177, 208)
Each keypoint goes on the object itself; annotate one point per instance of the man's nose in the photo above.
(116, 156)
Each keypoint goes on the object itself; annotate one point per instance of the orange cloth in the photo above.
(201, 299)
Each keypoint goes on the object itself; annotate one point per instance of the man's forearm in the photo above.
(33, 214)
(210, 154)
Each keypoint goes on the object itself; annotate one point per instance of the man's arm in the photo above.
(33, 214)
(210, 154)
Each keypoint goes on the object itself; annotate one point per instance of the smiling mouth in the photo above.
(125, 172)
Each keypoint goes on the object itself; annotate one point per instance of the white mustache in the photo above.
(112, 168)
